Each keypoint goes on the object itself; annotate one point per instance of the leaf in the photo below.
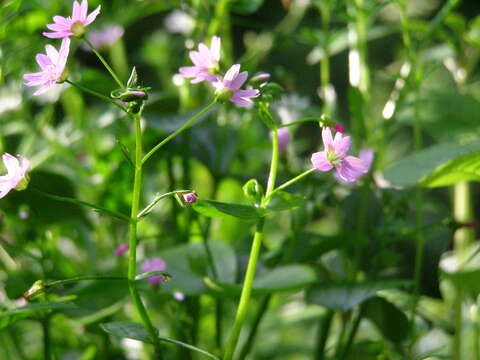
(409, 170)
(136, 331)
(463, 270)
(11, 316)
(383, 314)
(463, 168)
(216, 209)
(282, 200)
(246, 6)
(346, 295)
(188, 265)
(284, 278)
(146, 275)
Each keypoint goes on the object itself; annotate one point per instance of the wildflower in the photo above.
(205, 62)
(179, 296)
(104, 37)
(349, 168)
(74, 25)
(154, 264)
(228, 88)
(283, 140)
(52, 65)
(367, 156)
(190, 197)
(16, 177)
(260, 79)
(121, 249)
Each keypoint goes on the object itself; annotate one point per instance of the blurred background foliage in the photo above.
(337, 272)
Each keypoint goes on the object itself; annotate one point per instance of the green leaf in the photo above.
(11, 316)
(282, 200)
(383, 314)
(146, 275)
(463, 270)
(284, 278)
(216, 209)
(409, 170)
(464, 168)
(346, 295)
(246, 6)
(136, 331)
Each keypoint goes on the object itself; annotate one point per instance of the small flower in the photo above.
(228, 88)
(121, 249)
(179, 296)
(154, 264)
(205, 62)
(75, 25)
(104, 37)
(190, 197)
(349, 168)
(283, 140)
(52, 65)
(16, 177)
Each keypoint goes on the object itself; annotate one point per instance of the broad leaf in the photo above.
(344, 296)
(216, 209)
(282, 200)
(409, 170)
(136, 331)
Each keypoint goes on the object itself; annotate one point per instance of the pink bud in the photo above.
(283, 140)
(121, 249)
(190, 197)
(340, 128)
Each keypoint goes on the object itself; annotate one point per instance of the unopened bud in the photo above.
(133, 95)
(190, 197)
(259, 79)
(37, 289)
(253, 190)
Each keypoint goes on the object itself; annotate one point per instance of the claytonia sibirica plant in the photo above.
(52, 67)
(74, 25)
(348, 168)
(228, 87)
(16, 177)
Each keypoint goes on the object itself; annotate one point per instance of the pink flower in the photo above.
(205, 62)
(52, 65)
(121, 249)
(104, 37)
(75, 25)
(367, 156)
(349, 168)
(190, 197)
(16, 177)
(283, 139)
(228, 87)
(154, 264)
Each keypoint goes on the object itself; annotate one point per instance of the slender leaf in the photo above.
(216, 209)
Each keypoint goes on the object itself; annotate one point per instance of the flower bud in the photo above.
(253, 190)
(37, 289)
(259, 79)
(133, 95)
(190, 198)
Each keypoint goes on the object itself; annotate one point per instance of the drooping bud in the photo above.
(186, 198)
(253, 190)
(190, 197)
(37, 289)
(121, 249)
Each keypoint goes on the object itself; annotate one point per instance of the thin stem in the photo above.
(150, 206)
(179, 130)
(315, 119)
(274, 164)
(351, 333)
(293, 181)
(84, 203)
(132, 254)
(256, 323)
(246, 291)
(104, 62)
(73, 280)
(47, 354)
(97, 94)
(322, 334)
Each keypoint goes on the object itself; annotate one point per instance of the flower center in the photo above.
(77, 29)
(333, 158)
(224, 94)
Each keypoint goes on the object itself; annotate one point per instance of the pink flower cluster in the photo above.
(348, 168)
(205, 67)
(53, 63)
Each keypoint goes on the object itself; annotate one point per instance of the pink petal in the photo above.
(205, 53)
(188, 71)
(93, 15)
(52, 53)
(76, 12)
(57, 35)
(351, 168)
(320, 162)
(58, 27)
(241, 101)
(249, 93)
(283, 139)
(24, 164)
(327, 138)
(61, 20)
(232, 73)
(215, 45)
(83, 10)
(367, 156)
(43, 89)
(198, 60)
(63, 54)
(43, 61)
(11, 163)
(342, 145)
(238, 81)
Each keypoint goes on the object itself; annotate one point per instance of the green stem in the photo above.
(84, 203)
(351, 333)
(97, 94)
(254, 255)
(47, 354)
(104, 62)
(293, 181)
(322, 334)
(246, 291)
(179, 130)
(132, 254)
(73, 280)
(315, 119)
(150, 206)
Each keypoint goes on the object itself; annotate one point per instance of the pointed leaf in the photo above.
(11, 316)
